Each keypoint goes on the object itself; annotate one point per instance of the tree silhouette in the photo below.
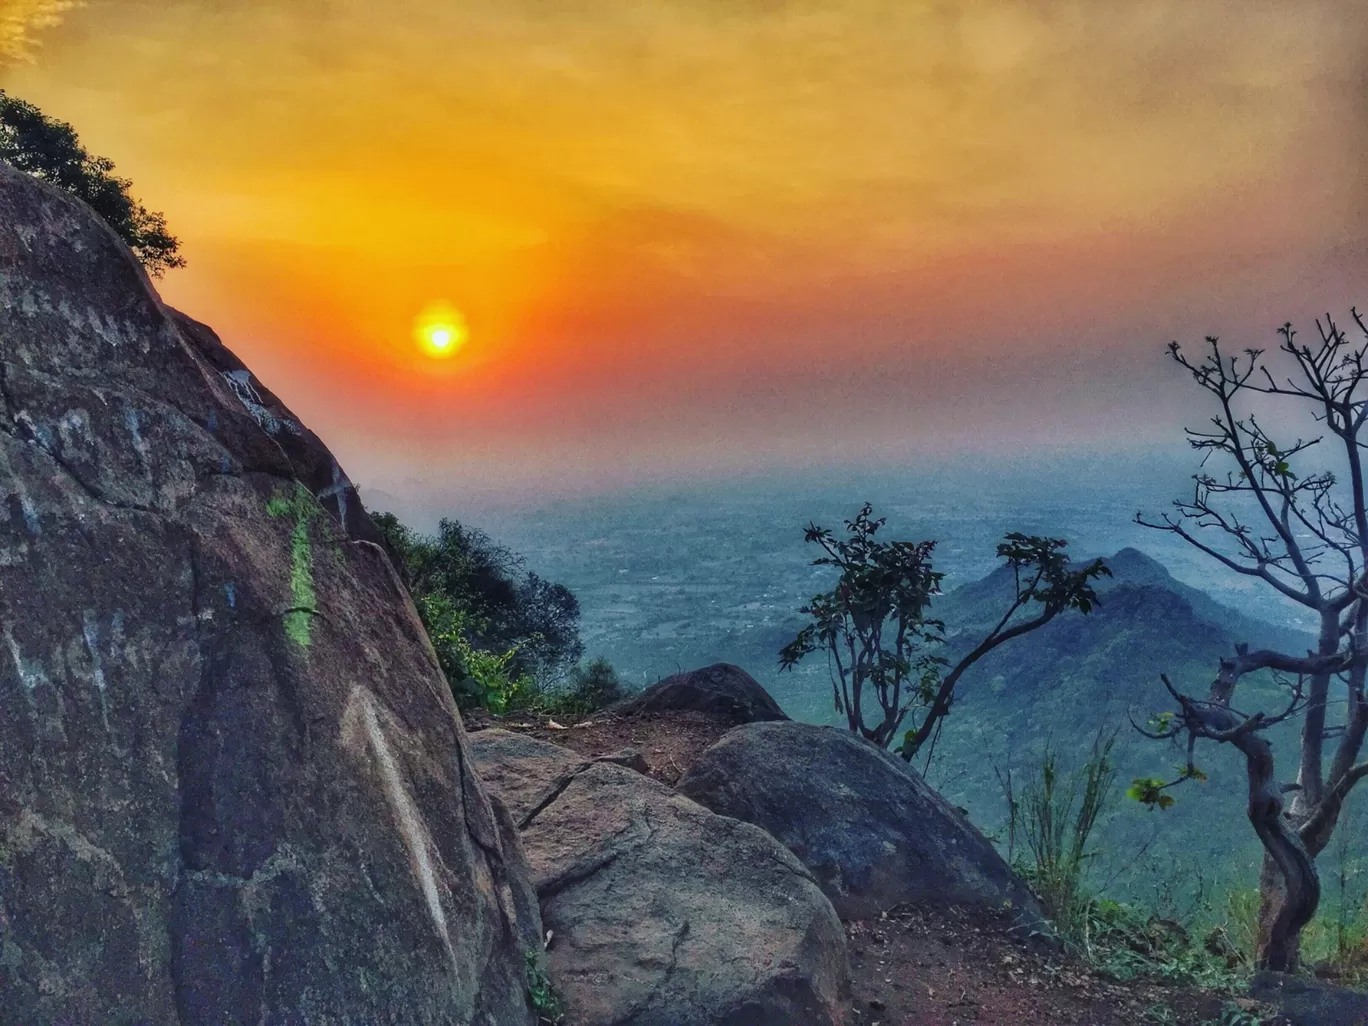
(874, 627)
(41, 146)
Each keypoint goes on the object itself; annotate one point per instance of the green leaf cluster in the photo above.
(1150, 791)
(504, 607)
(505, 638)
(541, 993)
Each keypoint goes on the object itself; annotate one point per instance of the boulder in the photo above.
(521, 770)
(722, 690)
(233, 786)
(862, 820)
(661, 913)
(1306, 1002)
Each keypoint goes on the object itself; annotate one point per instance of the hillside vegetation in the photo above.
(1077, 676)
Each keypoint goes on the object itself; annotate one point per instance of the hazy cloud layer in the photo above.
(20, 22)
(679, 225)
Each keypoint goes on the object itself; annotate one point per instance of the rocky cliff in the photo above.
(233, 786)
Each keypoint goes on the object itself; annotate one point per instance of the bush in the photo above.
(504, 608)
(477, 678)
(590, 688)
(596, 685)
(504, 636)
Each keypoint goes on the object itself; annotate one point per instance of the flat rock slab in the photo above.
(661, 913)
(233, 785)
(520, 770)
(1307, 1002)
(872, 832)
(721, 690)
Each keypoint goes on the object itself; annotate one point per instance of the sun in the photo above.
(440, 330)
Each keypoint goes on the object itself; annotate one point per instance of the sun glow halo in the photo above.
(440, 330)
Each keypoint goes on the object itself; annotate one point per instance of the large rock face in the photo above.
(661, 913)
(233, 786)
(867, 826)
(721, 690)
(1305, 1002)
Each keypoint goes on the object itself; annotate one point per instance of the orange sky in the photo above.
(692, 235)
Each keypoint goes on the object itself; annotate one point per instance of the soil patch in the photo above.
(952, 967)
(669, 741)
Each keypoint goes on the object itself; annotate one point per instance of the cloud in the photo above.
(21, 19)
(665, 217)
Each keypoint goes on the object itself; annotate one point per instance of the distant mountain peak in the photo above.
(1130, 554)
(1131, 563)
(1133, 572)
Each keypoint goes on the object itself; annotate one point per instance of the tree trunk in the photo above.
(1270, 905)
(1289, 885)
(1279, 938)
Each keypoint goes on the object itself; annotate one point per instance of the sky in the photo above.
(700, 237)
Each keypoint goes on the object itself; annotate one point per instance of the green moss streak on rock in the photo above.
(303, 507)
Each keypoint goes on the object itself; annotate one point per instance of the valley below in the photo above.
(680, 578)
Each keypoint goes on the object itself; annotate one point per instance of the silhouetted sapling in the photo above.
(874, 626)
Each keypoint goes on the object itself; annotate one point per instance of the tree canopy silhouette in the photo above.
(41, 146)
(874, 628)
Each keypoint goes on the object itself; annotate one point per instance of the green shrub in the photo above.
(541, 995)
(503, 636)
(593, 686)
(478, 679)
(505, 608)
(588, 689)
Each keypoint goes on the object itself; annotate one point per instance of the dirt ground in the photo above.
(668, 741)
(952, 967)
(913, 966)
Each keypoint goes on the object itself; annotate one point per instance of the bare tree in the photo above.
(1293, 515)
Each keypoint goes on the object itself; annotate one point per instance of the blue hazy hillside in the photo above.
(1080, 675)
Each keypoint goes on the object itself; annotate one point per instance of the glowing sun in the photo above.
(440, 330)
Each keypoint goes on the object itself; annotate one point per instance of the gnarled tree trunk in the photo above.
(1289, 884)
